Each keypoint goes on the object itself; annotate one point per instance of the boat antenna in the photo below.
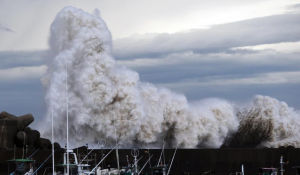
(172, 160)
(52, 141)
(135, 154)
(67, 101)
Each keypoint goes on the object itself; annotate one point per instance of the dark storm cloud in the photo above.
(243, 93)
(265, 30)
(234, 75)
(11, 59)
(177, 67)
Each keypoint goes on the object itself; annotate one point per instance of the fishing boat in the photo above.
(70, 165)
(273, 171)
(70, 161)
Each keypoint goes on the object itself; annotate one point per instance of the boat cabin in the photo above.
(73, 162)
(74, 167)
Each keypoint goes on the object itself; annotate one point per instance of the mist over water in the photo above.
(108, 103)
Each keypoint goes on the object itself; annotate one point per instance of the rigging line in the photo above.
(87, 154)
(172, 160)
(159, 160)
(42, 164)
(145, 165)
(101, 160)
(33, 153)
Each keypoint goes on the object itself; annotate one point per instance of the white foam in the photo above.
(107, 101)
(284, 121)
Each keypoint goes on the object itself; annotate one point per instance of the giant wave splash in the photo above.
(107, 103)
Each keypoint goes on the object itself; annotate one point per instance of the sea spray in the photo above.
(266, 122)
(108, 104)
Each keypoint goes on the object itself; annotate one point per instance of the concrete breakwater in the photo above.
(15, 132)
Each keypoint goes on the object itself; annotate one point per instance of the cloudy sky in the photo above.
(229, 49)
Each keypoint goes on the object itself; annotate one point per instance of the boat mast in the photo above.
(67, 101)
(242, 167)
(281, 165)
(52, 141)
(135, 155)
(118, 161)
(117, 150)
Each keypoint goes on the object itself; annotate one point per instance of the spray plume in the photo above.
(108, 102)
(267, 122)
